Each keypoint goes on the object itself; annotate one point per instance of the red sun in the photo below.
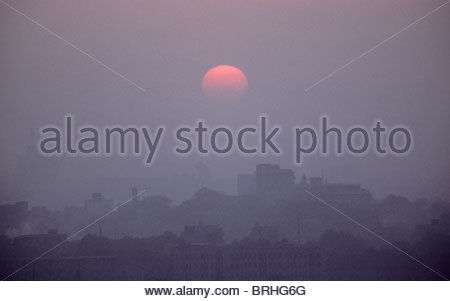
(224, 83)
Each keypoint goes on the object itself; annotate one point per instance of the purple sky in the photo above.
(283, 47)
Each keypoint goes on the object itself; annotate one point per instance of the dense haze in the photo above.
(283, 48)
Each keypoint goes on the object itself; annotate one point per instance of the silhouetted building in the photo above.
(97, 205)
(269, 182)
(198, 262)
(76, 268)
(39, 243)
(242, 261)
(202, 234)
(266, 233)
(436, 226)
(273, 181)
(263, 262)
(334, 192)
(12, 216)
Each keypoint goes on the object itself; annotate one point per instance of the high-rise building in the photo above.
(269, 181)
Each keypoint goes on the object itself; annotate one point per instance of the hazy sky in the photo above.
(283, 47)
